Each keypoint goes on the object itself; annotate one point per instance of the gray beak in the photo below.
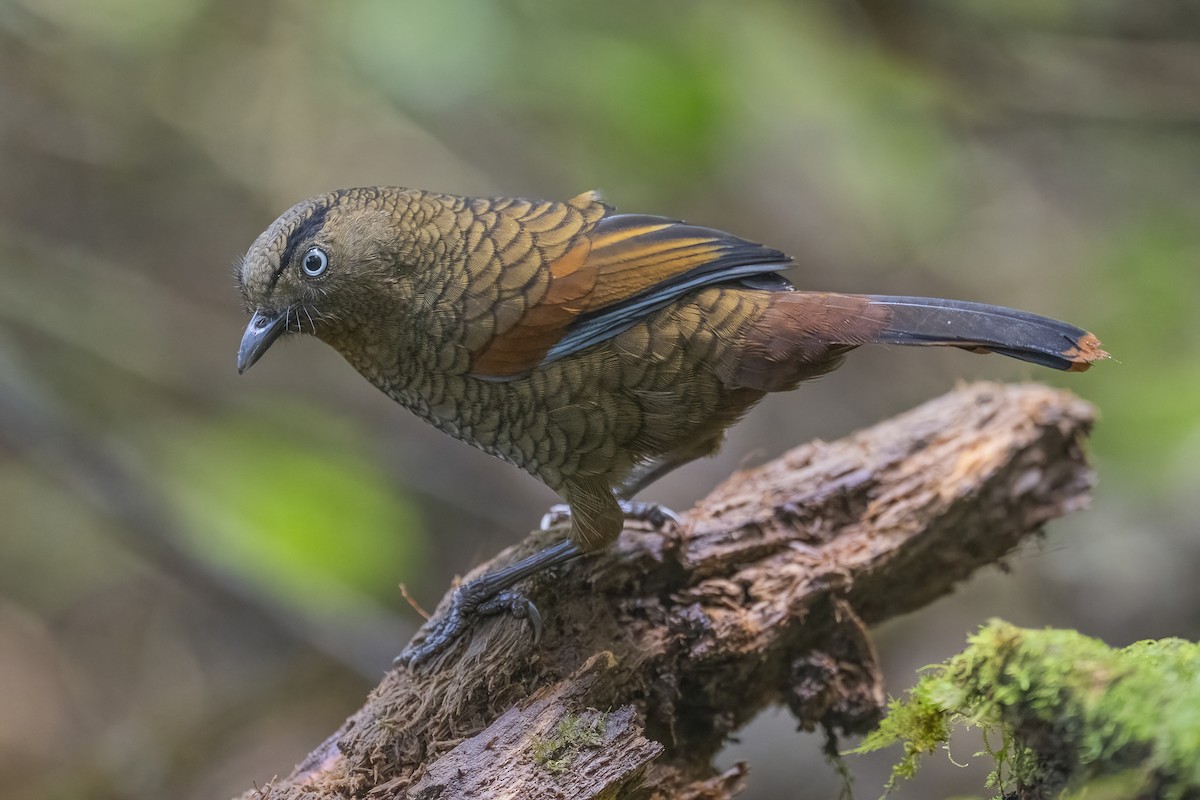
(264, 328)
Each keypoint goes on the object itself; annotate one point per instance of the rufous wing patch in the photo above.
(621, 257)
(631, 259)
(522, 346)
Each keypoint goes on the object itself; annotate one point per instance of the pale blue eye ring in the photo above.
(315, 262)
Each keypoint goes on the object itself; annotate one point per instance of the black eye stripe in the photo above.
(302, 232)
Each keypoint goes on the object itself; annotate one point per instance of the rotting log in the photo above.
(658, 650)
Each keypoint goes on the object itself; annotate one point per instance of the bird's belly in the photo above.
(586, 416)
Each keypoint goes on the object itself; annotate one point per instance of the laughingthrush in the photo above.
(594, 350)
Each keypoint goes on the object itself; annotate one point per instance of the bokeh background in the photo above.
(198, 572)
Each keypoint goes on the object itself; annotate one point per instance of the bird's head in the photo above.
(322, 268)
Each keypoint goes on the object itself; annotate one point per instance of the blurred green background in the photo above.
(198, 571)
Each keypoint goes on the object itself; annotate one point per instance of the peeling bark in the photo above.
(667, 644)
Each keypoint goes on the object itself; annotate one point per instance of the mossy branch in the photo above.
(1072, 713)
(676, 639)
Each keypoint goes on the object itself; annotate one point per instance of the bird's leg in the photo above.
(491, 593)
(642, 476)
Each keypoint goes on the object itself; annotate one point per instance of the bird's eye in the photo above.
(315, 262)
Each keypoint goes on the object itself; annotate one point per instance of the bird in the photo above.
(594, 350)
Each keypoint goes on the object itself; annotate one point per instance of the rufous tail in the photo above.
(797, 336)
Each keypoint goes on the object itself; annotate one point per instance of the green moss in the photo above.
(1072, 714)
(571, 734)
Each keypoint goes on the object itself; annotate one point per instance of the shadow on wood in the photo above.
(659, 649)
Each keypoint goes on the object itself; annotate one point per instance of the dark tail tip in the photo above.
(989, 329)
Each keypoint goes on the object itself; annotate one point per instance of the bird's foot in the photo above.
(653, 514)
(470, 600)
(489, 594)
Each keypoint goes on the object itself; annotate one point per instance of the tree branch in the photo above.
(659, 649)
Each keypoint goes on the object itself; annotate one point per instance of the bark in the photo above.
(658, 650)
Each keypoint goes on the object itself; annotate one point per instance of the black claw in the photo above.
(534, 616)
(519, 606)
(417, 654)
(652, 513)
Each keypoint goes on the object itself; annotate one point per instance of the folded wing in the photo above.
(626, 267)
